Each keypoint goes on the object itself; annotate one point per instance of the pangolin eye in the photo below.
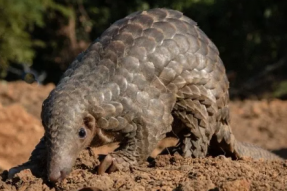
(82, 133)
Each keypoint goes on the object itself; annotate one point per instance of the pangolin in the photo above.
(151, 74)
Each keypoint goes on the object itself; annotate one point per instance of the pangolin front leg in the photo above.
(151, 127)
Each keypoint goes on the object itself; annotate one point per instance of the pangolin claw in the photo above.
(112, 163)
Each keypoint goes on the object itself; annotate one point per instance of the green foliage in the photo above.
(250, 35)
(281, 89)
(18, 19)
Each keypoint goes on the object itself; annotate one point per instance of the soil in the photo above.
(262, 122)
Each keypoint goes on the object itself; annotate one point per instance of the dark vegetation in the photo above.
(42, 37)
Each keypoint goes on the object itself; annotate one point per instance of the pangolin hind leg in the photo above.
(224, 142)
(194, 120)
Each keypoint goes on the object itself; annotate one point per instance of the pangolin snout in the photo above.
(59, 167)
(59, 175)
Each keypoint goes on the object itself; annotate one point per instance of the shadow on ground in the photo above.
(281, 152)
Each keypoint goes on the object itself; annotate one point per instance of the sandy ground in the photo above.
(263, 123)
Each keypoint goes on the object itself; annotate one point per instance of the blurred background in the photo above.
(40, 38)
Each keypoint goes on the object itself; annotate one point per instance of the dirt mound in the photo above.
(259, 122)
(169, 173)
(263, 123)
(30, 96)
(19, 133)
(21, 128)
